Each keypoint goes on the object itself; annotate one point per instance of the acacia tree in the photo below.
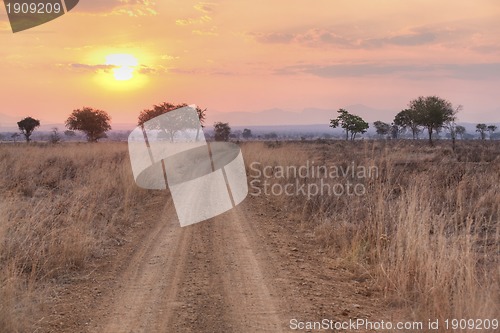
(408, 119)
(94, 123)
(382, 128)
(432, 112)
(178, 123)
(351, 124)
(27, 126)
(481, 129)
(222, 131)
(247, 133)
(460, 131)
(492, 129)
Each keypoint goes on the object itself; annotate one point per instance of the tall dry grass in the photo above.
(60, 207)
(427, 229)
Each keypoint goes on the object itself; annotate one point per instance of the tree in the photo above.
(247, 133)
(15, 136)
(432, 112)
(451, 126)
(460, 131)
(492, 129)
(481, 129)
(395, 130)
(235, 135)
(179, 123)
(69, 133)
(27, 126)
(222, 131)
(55, 137)
(382, 128)
(271, 136)
(408, 119)
(94, 123)
(351, 124)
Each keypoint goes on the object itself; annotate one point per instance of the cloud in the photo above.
(141, 69)
(273, 37)
(89, 68)
(413, 38)
(205, 7)
(311, 38)
(475, 71)
(330, 38)
(169, 57)
(118, 7)
(211, 32)
(190, 21)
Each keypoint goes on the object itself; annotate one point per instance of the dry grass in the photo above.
(61, 206)
(427, 229)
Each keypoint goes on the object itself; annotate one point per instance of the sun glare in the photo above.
(123, 66)
(121, 71)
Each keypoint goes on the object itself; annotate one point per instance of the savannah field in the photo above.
(83, 249)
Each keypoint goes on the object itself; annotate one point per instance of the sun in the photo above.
(123, 66)
(120, 71)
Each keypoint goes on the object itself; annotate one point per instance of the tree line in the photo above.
(95, 123)
(431, 113)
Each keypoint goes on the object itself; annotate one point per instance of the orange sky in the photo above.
(249, 56)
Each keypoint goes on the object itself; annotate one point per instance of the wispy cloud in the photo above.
(207, 32)
(118, 7)
(475, 71)
(97, 68)
(338, 38)
(205, 7)
(190, 21)
(88, 68)
(200, 23)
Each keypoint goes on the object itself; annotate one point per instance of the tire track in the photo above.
(146, 293)
(201, 278)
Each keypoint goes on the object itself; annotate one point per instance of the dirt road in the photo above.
(248, 270)
(202, 278)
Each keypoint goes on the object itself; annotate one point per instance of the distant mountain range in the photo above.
(308, 116)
